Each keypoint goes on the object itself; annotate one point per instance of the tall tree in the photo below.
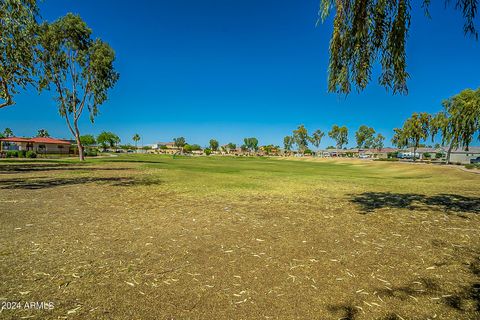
(378, 142)
(230, 147)
(459, 121)
(365, 137)
(340, 135)
(316, 138)
(43, 133)
(18, 39)
(288, 143)
(416, 129)
(399, 138)
(136, 137)
(78, 67)
(213, 144)
(251, 144)
(179, 143)
(367, 30)
(301, 138)
(8, 133)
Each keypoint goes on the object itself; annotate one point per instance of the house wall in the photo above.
(463, 158)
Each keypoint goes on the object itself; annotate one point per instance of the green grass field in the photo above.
(152, 237)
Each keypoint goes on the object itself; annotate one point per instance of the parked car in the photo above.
(474, 161)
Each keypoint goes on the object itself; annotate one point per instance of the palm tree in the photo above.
(8, 133)
(136, 138)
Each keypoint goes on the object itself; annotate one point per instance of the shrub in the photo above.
(31, 154)
(427, 155)
(12, 154)
(438, 155)
(22, 153)
(91, 153)
(392, 155)
(208, 152)
(387, 159)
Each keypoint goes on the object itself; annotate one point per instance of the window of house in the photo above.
(60, 146)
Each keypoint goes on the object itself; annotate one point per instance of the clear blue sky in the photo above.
(229, 69)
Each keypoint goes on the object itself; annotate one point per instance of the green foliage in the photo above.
(88, 140)
(213, 145)
(179, 142)
(207, 151)
(43, 133)
(136, 137)
(31, 154)
(427, 155)
(7, 133)
(365, 137)
(414, 130)
(392, 155)
(365, 31)
(79, 68)
(12, 154)
(288, 143)
(108, 139)
(378, 142)
(340, 135)
(316, 138)
(18, 38)
(307, 151)
(301, 138)
(251, 144)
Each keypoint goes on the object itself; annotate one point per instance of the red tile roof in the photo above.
(36, 140)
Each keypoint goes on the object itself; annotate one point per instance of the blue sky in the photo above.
(229, 69)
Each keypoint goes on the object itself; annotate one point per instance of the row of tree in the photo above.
(456, 125)
(365, 138)
(61, 57)
(8, 133)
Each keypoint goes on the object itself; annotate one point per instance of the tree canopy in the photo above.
(108, 139)
(317, 137)
(18, 39)
(79, 68)
(213, 144)
(43, 133)
(366, 31)
(88, 140)
(301, 138)
(365, 137)
(340, 135)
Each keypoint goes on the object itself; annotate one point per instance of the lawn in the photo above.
(152, 237)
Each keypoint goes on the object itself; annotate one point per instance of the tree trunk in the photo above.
(81, 155)
(449, 152)
(414, 153)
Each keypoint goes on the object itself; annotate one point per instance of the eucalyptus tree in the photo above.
(79, 68)
(136, 137)
(301, 138)
(251, 144)
(340, 135)
(365, 137)
(18, 41)
(459, 120)
(378, 142)
(399, 139)
(43, 133)
(288, 143)
(213, 144)
(416, 129)
(317, 137)
(367, 31)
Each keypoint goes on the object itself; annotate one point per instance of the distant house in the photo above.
(463, 156)
(165, 147)
(39, 145)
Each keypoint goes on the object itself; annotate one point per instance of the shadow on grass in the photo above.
(35, 184)
(37, 167)
(369, 201)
